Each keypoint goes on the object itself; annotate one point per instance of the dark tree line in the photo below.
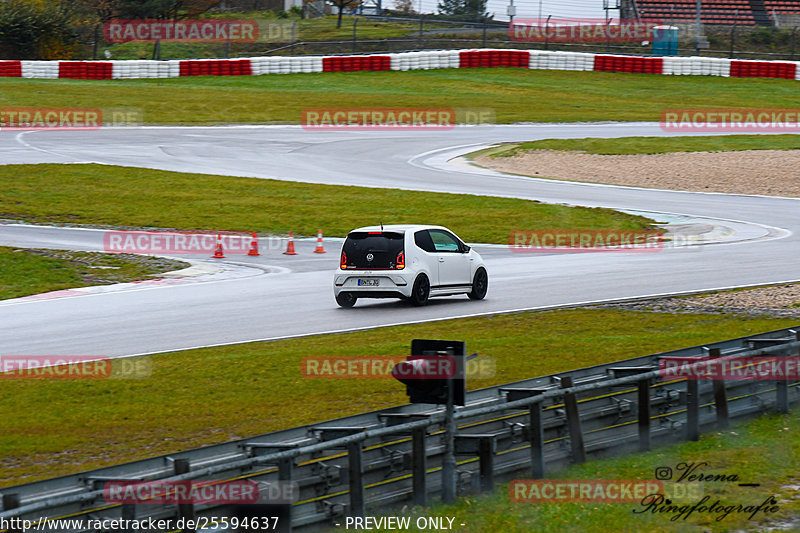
(469, 10)
(35, 29)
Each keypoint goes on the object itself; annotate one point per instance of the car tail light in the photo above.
(401, 261)
(344, 261)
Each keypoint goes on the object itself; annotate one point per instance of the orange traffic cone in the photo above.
(218, 253)
(319, 249)
(290, 246)
(254, 246)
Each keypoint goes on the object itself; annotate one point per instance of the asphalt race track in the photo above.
(274, 296)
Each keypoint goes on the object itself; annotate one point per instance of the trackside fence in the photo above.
(391, 457)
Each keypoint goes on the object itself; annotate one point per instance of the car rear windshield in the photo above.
(372, 249)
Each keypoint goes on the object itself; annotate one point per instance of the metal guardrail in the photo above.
(393, 456)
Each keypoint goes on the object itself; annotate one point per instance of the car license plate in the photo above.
(367, 282)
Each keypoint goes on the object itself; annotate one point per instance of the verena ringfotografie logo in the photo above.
(585, 240)
(730, 368)
(199, 492)
(580, 30)
(731, 120)
(392, 119)
(73, 367)
(181, 31)
(381, 367)
(154, 242)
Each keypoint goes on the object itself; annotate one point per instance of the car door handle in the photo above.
(441, 259)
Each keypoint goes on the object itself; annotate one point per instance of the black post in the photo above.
(537, 441)
(449, 460)
(573, 422)
(486, 460)
(286, 474)
(720, 396)
(547, 32)
(128, 512)
(535, 427)
(185, 510)
(644, 415)
(692, 409)
(356, 483)
(420, 466)
(11, 501)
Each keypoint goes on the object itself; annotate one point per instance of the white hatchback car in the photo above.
(407, 261)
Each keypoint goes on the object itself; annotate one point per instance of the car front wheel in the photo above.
(420, 291)
(480, 283)
(346, 299)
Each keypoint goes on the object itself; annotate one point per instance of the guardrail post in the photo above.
(484, 447)
(692, 409)
(720, 397)
(419, 456)
(128, 512)
(486, 459)
(536, 437)
(535, 427)
(420, 466)
(286, 473)
(356, 483)
(11, 501)
(185, 510)
(285, 469)
(644, 415)
(573, 422)
(782, 386)
(642, 400)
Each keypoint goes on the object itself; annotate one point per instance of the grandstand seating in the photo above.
(742, 12)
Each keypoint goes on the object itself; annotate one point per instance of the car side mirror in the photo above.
(465, 249)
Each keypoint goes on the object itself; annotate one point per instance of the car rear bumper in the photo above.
(373, 284)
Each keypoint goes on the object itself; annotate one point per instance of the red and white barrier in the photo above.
(11, 69)
(433, 59)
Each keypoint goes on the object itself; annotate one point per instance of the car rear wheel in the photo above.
(480, 284)
(346, 299)
(420, 291)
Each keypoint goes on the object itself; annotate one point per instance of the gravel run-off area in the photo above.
(767, 172)
(762, 172)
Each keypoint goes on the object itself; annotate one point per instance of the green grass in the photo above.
(279, 33)
(23, 273)
(26, 272)
(652, 145)
(122, 196)
(765, 450)
(514, 94)
(213, 395)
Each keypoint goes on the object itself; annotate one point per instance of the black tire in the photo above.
(346, 299)
(421, 291)
(480, 284)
